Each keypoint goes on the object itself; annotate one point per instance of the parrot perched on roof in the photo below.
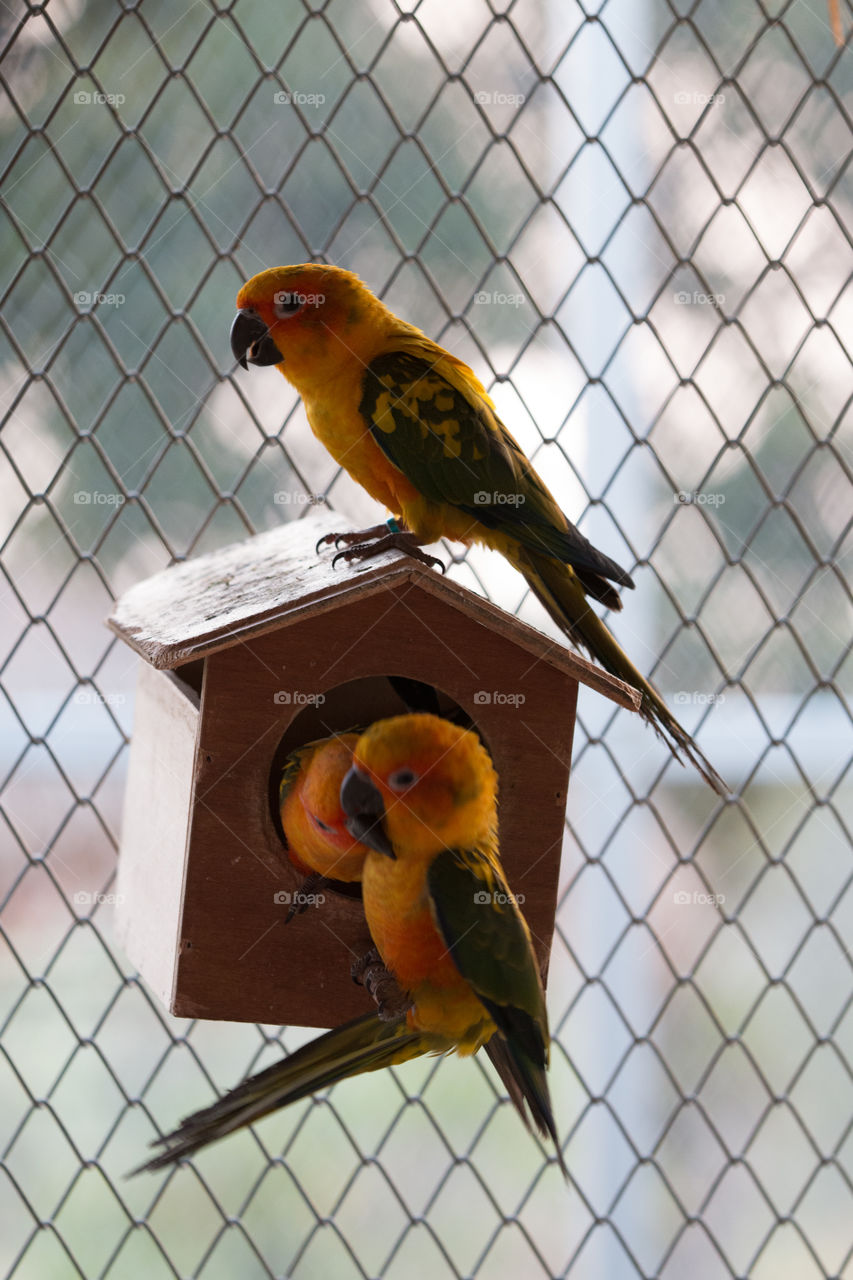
(415, 427)
(421, 794)
(312, 820)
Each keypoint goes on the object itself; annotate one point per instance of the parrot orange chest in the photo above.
(396, 905)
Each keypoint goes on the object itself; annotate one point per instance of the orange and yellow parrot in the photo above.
(309, 796)
(415, 427)
(422, 795)
(312, 820)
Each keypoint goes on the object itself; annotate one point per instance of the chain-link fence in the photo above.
(633, 220)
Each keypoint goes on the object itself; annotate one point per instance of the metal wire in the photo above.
(633, 221)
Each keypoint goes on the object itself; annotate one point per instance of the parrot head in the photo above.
(307, 319)
(312, 818)
(419, 784)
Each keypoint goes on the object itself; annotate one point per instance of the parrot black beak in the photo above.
(250, 340)
(362, 804)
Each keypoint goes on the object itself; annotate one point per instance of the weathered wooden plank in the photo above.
(205, 605)
(157, 806)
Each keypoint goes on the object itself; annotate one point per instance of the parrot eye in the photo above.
(287, 303)
(321, 825)
(402, 779)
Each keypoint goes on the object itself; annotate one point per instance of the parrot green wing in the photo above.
(293, 765)
(453, 447)
(487, 937)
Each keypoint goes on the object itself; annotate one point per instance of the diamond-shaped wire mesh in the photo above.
(633, 219)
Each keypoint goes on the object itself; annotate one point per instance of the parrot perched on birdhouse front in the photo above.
(421, 794)
(413, 425)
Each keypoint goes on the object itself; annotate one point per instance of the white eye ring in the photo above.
(317, 822)
(402, 779)
(287, 303)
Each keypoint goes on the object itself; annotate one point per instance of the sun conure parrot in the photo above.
(313, 823)
(422, 794)
(415, 427)
(312, 820)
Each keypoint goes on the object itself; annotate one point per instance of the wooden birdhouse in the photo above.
(256, 649)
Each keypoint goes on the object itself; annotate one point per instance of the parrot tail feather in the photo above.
(526, 1083)
(559, 590)
(364, 1044)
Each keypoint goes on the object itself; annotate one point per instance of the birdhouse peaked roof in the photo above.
(200, 606)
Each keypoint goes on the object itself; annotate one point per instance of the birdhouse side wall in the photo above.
(157, 805)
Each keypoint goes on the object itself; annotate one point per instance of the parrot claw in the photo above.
(308, 893)
(361, 964)
(403, 541)
(392, 1002)
(350, 537)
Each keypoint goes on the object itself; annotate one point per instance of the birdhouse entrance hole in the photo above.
(355, 704)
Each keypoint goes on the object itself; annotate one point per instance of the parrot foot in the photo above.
(391, 1001)
(404, 541)
(370, 960)
(351, 537)
(307, 895)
